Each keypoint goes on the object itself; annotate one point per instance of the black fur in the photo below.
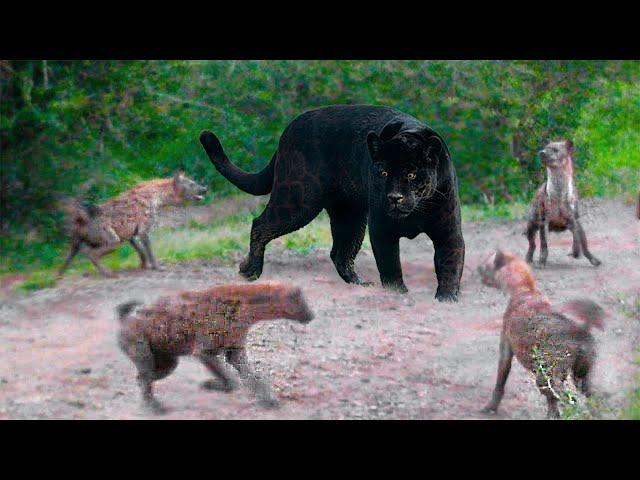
(363, 164)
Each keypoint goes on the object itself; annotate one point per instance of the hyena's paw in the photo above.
(489, 410)
(270, 403)
(595, 262)
(155, 407)
(217, 385)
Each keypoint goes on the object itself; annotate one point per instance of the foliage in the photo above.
(94, 128)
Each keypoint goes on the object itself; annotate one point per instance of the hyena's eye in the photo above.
(383, 173)
(411, 176)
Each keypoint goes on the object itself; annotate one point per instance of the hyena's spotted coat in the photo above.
(205, 323)
(555, 205)
(99, 229)
(550, 342)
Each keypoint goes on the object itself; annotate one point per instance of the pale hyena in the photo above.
(555, 205)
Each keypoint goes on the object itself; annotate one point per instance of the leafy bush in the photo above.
(95, 128)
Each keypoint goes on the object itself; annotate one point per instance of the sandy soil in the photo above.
(368, 354)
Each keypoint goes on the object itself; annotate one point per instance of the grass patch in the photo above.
(633, 410)
(37, 281)
(219, 239)
(511, 211)
(316, 234)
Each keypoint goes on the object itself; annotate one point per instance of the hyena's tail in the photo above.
(125, 309)
(78, 213)
(589, 313)
(254, 183)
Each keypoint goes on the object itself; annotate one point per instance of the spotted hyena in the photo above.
(550, 342)
(555, 205)
(205, 324)
(99, 229)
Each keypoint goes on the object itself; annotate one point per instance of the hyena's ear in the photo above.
(373, 144)
(178, 176)
(500, 260)
(390, 130)
(569, 145)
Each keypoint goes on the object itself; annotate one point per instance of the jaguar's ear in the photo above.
(390, 130)
(373, 143)
(434, 148)
(500, 260)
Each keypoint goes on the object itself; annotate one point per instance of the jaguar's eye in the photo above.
(383, 173)
(411, 176)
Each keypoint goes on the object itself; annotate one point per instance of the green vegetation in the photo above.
(216, 240)
(95, 128)
(633, 411)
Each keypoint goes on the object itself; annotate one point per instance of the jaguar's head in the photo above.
(407, 162)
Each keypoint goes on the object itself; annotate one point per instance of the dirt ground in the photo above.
(369, 353)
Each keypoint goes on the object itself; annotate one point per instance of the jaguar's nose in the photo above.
(395, 197)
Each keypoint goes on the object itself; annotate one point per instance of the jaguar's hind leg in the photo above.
(347, 230)
(279, 218)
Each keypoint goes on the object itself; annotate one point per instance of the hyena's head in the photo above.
(557, 155)
(268, 301)
(407, 164)
(505, 271)
(187, 189)
(295, 305)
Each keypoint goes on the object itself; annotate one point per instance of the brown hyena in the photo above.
(555, 205)
(205, 323)
(99, 229)
(549, 342)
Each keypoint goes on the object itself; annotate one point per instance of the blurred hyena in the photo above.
(99, 229)
(555, 205)
(206, 324)
(550, 342)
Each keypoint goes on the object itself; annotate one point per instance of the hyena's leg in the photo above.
(579, 235)
(549, 387)
(141, 253)
(575, 248)
(544, 248)
(222, 381)
(347, 230)
(279, 218)
(581, 371)
(147, 245)
(238, 358)
(95, 254)
(532, 228)
(504, 367)
(73, 251)
(150, 366)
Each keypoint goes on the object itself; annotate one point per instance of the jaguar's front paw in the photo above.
(446, 296)
(250, 269)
